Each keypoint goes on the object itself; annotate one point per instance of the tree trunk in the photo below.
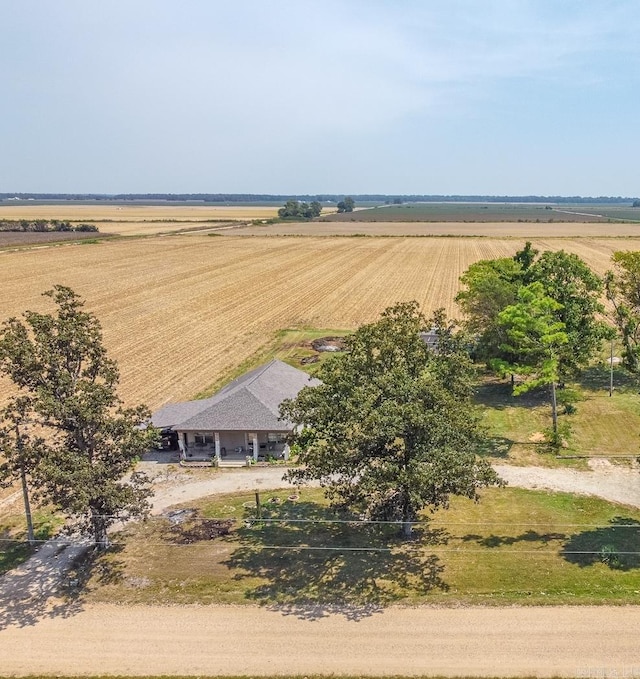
(407, 516)
(554, 408)
(99, 526)
(27, 506)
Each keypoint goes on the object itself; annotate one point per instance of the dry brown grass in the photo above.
(489, 229)
(181, 312)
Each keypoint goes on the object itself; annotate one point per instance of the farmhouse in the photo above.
(242, 419)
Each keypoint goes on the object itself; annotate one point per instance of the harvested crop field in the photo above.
(129, 220)
(181, 312)
(462, 229)
(137, 213)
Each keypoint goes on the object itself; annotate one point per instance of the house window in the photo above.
(276, 437)
(202, 440)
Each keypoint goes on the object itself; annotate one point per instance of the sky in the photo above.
(501, 97)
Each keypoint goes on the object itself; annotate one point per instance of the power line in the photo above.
(358, 522)
(427, 548)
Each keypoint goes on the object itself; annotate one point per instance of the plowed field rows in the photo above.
(490, 229)
(137, 213)
(180, 312)
(141, 220)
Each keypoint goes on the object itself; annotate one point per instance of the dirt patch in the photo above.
(193, 528)
(328, 344)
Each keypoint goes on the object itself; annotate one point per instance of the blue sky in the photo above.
(353, 96)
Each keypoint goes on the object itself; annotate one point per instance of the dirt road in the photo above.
(579, 641)
(552, 641)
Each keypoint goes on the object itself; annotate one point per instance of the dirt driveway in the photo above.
(605, 480)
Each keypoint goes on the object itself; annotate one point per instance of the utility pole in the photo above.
(258, 508)
(25, 490)
(611, 371)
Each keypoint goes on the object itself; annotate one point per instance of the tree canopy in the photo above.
(570, 282)
(536, 336)
(490, 286)
(346, 205)
(294, 209)
(392, 430)
(67, 391)
(623, 291)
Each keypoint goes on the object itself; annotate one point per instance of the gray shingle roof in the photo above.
(250, 402)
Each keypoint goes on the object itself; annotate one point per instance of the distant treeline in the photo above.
(323, 198)
(43, 226)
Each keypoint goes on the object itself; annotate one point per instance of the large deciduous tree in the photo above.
(392, 430)
(490, 286)
(294, 209)
(90, 442)
(623, 291)
(346, 205)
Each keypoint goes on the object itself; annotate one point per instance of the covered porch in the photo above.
(233, 445)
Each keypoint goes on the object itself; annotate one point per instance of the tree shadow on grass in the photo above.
(502, 540)
(617, 545)
(498, 394)
(104, 567)
(314, 569)
(496, 447)
(596, 378)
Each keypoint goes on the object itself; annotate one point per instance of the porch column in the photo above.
(286, 451)
(217, 441)
(255, 447)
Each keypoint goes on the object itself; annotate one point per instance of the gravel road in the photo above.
(40, 634)
(605, 480)
(180, 488)
(213, 640)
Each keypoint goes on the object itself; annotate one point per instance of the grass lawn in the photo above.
(515, 547)
(601, 425)
(13, 534)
